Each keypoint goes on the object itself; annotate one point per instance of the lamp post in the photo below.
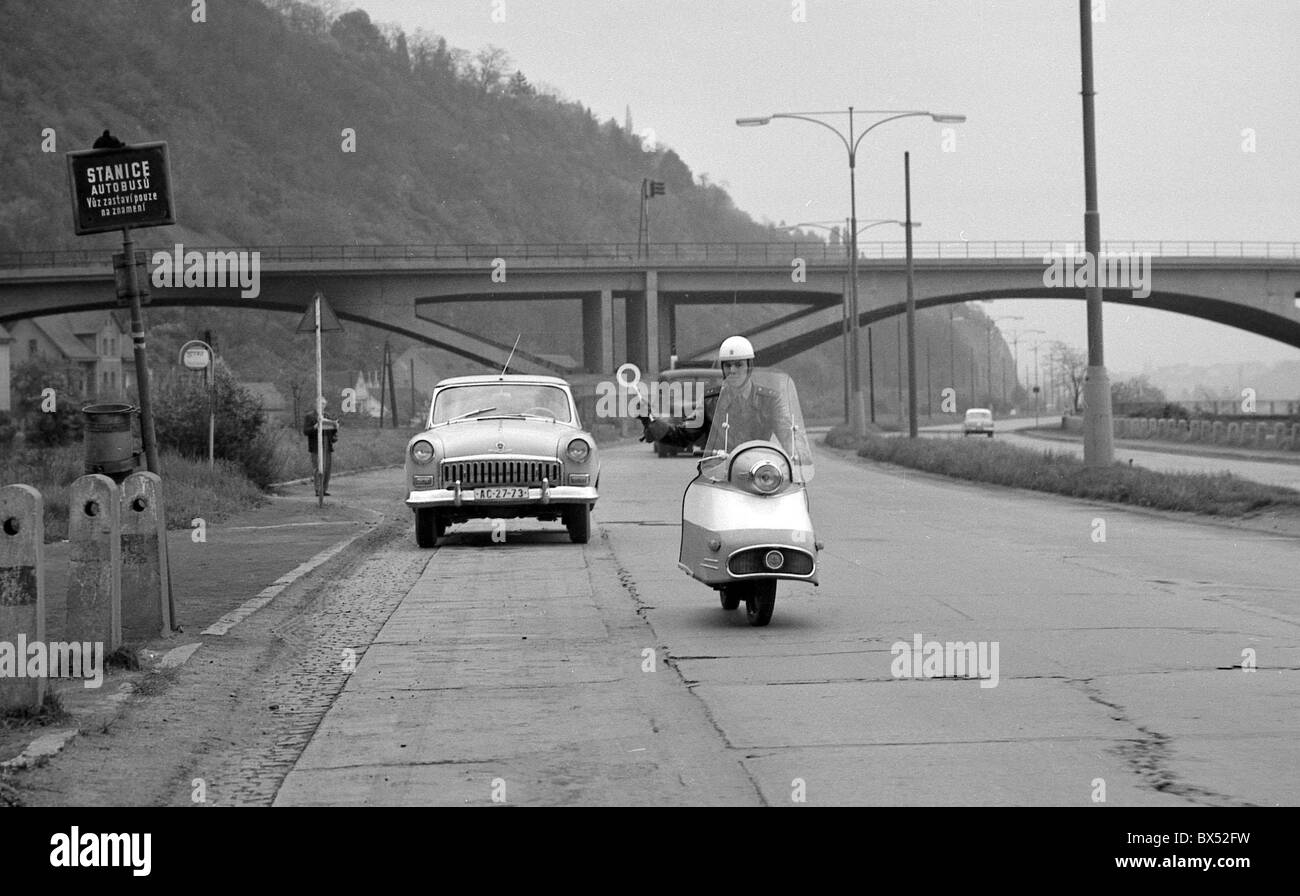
(851, 142)
(848, 357)
(1098, 433)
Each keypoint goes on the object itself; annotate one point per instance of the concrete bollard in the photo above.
(22, 594)
(145, 604)
(95, 562)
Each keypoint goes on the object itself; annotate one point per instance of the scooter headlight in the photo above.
(766, 477)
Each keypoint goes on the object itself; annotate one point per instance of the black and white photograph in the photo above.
(566, 403)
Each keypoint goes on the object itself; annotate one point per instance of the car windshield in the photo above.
(766, 408)
(503, 399)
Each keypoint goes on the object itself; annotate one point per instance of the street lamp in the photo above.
(844, 332)
(851, 142)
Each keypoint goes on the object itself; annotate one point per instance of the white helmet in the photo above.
(735, 348)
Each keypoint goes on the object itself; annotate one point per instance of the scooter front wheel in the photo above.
(760, 602)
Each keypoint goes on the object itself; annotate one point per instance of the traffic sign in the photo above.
(113, 189)
(195, 355)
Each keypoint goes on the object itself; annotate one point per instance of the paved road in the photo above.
(541, 672)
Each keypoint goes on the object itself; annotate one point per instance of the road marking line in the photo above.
(288, 526)
(234, 617)
(179, 655)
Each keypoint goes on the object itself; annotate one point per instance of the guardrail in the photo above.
(690, 253)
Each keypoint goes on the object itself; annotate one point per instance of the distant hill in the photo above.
(254, 104)
(259, 105)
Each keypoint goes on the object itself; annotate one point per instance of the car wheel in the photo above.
(659, 450)
(760, 602)
(730, 595)
(428, 528)
(577, 519)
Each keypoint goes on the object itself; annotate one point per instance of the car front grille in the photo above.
(749, 562)
(473, 473)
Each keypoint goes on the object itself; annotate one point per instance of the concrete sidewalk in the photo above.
(241, 557)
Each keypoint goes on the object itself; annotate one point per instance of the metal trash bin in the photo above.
(110, 443)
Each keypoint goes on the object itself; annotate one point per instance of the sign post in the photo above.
(119, 187)
(319, 317)
(198, 355)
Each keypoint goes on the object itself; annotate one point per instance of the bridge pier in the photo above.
(667, 332)
(643, 347)
(598, 332)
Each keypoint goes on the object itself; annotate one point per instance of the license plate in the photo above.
(500, 494)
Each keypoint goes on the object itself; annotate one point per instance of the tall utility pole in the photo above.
(871, 375)
(911, 302)
(147, 431)
(898, 326)
(1098, 437)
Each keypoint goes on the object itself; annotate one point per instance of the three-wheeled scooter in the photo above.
(746, 522)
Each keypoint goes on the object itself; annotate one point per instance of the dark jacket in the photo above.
(760, 415)
(330, 431)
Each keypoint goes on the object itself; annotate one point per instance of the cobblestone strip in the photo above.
(323, 643)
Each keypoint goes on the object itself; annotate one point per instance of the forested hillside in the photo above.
(287, 125)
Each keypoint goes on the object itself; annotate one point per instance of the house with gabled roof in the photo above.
(92, 347)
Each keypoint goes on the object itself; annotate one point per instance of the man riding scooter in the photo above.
(748, 410)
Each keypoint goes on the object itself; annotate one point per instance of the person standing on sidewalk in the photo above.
(330, 434)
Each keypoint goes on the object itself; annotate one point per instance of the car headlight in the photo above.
(578, 451)
(422, 452)
(766, 477)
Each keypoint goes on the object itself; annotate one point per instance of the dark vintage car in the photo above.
(688, 388)
(501, 447)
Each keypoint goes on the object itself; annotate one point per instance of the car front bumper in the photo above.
(539, 497)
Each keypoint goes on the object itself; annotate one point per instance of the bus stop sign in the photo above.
(114, 189)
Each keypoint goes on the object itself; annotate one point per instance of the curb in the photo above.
(334, 474)
(52, 743)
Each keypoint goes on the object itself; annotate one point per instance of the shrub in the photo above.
(181, 420)
(43, 427)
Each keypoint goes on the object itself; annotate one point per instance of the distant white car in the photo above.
(978, 420)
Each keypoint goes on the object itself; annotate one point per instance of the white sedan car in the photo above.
(501, 447)
(979, 421)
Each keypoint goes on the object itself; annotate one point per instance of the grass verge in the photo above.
(191, 488)
(1219, 494)
(357, 448)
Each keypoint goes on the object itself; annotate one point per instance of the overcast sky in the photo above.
(1198, 112)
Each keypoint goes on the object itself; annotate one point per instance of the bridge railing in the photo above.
(780, 253)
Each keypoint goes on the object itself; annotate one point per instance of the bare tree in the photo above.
(492, 65)
(1071, 366)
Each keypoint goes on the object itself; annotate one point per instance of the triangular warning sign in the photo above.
(328, 321)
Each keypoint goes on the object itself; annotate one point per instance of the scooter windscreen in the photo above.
(764, 407)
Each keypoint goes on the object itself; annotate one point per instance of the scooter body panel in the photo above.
(729, 532)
